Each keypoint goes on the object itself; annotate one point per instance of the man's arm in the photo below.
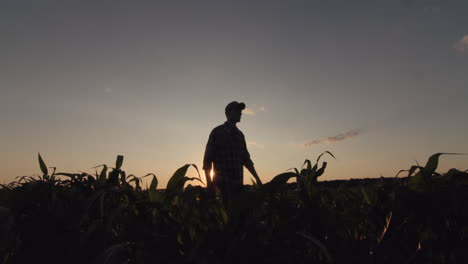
(248, 163)
(209, 158)
(251, 168)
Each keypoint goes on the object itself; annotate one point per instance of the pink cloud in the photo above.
(462, 44)
(253, 143)
(334, 139)
(248, 111)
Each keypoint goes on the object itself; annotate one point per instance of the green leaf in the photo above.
(296, 171)
(413, 169)
(154, 183)
(279, 181)
(314, 169)
(102, 176)
(453, 172)
(42, 165)
(149, 174)
(122, 177)
(198, 172)
(417, 182)
(71, 175)
(174, 182)
(137, 184)
(410, 171)
(132, 178)
(191, 179)
(113, 177)
(433, 162)
(118, 162)
(388, 219)
(326, 152)
(53, 173)
(400, 171)
(321, 170)
(152, 192)
(366, 196)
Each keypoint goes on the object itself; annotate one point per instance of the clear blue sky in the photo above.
(380, 84)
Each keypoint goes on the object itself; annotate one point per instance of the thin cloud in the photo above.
(108, 90)
(262, 109)
(462, 44)
(248, 111)
(253, 143)
(334, 139)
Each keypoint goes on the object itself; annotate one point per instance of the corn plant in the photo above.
(108, 217)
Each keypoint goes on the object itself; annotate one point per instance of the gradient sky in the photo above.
(381, 84)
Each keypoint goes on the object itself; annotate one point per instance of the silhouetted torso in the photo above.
(227, 150)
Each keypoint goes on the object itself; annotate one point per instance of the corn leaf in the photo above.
(321, 170)
(308, 163)
(118, 162)
(433, 162)
(326, 152)
(42, 165)
(280, 180)
(154, 183)
(177, 178)
(153, 193)
(102, 176)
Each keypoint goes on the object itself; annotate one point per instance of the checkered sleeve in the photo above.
(246, 161)
(209, 151)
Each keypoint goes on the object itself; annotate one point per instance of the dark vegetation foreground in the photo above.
(420, 217)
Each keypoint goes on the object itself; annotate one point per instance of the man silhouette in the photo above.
(227, 151)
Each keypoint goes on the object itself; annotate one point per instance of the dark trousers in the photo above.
(228, 189)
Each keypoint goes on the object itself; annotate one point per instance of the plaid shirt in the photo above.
(226, 148)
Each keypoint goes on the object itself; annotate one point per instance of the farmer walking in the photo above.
(226, 150)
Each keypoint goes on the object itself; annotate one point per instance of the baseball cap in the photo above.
(234, 105)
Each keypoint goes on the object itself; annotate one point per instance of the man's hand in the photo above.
(254, 173)
(259, 182)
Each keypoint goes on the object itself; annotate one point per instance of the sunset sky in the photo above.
(379, 83)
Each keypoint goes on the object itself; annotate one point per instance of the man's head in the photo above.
(233, 111)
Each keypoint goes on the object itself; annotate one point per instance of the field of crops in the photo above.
(420, 216)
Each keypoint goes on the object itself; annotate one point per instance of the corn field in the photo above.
(419, 216)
